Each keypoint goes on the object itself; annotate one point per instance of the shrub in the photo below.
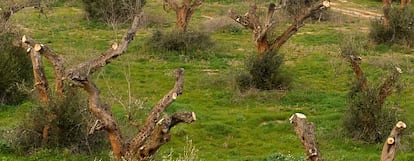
(189, 44)
(399, 31)
(68, 119)
(15, 70)
(264, 73)
(365, 119)
(111, 11)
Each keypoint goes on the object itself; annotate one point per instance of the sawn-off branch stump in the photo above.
(305, 132)
(389, 150)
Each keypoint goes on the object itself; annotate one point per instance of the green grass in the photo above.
(230, 125)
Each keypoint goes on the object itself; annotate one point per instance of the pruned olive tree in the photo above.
(156, 129)
(367, 118)
(183, 11)
(262, 28)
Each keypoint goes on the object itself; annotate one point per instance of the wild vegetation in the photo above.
(231, 125)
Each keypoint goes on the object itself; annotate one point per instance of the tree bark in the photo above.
(389, 150)
(260, 31)
(40, 80)
(7, 13)
(183, 12)
(305, 132)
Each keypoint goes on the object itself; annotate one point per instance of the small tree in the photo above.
(367, 118)
(155, 131)
(183, 12)
(262, 30)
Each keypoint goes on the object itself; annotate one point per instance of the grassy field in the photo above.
(230, 125)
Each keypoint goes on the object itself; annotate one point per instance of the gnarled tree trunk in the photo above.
(155, 131)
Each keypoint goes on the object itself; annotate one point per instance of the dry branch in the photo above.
(82, 71)
(355, 62)
(305, 132)
(7, 13)
(390, 147)
(161, 134)
(156, 112)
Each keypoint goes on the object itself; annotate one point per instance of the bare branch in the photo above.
(299, 22)
(82, 71)
(156, 112)
(389, 150)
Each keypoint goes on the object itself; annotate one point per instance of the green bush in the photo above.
(365, 118)
(190, 44)
(68, 118)
(400, 29)
(111, 11)
(15, 70)
(264, 73)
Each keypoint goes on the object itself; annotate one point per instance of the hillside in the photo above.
(230, 125)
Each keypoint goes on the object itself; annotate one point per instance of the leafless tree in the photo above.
(155, 131)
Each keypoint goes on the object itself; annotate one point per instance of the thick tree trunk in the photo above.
(305, 132)
(389, 150)
(183, 17)
(183, 12)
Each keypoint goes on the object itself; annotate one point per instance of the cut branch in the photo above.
(82, 71)
(56, 60)
(389, 150)
(161, 134)
(305, 132)
(156, 112)
(41, 83)
(299, 22)
(355, 62)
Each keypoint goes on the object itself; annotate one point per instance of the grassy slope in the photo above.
(230, 126)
